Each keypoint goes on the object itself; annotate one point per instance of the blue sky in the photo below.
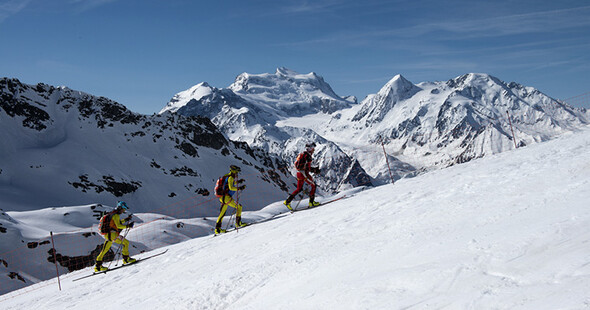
(141, 52)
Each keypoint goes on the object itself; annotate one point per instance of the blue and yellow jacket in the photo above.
(231, 185)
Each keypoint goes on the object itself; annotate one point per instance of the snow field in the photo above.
(509, 231)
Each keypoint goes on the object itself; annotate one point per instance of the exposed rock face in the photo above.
(67, 146)
(249, 109)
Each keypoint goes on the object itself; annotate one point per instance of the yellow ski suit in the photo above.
(227, 200)
(113, 236)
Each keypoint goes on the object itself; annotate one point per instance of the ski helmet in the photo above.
(310, 147)
(122, 205)
(234, 168)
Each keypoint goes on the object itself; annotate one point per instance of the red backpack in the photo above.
(221, 188)
(104, 225)
(301, 161)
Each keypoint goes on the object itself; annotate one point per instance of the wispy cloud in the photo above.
(319, 6)
(86, 5)
(535, 22)
(12, 7)
(517, 24)
(307, 7)
(544, 50)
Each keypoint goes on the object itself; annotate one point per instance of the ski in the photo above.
(250, 224)
(232, 229)
(321, 204)
(117, 267)
(280, 215)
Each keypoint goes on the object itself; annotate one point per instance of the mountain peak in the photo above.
(398, 88)
(376, 107)
(399, 82)
(474, 79)
(196, 92)
(286, 72)
(289, 91)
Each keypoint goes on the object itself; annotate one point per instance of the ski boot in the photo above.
(239, 222)
(128, 260)
(99, 267)
(288, 204)
(313, 204)
(219, 231)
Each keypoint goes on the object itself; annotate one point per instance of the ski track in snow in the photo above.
(509, 231)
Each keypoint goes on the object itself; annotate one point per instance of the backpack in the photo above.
(104, 225)
(301, 161)
(221, 188)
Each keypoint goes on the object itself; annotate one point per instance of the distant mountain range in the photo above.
(64, 147)
(249, 109)
(423, 126)
(61, 147)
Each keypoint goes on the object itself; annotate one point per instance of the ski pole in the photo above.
(237, 206)
(231, 216)
(296, 206)
(124, 236)
(116, 257)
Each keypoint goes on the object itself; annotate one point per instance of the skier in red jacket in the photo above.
(303, 166)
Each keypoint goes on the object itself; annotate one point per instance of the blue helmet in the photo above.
(122, 205)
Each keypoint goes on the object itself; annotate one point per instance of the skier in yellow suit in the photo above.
(226, 190)
(117, 225)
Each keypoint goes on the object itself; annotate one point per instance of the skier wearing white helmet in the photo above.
(303, 166)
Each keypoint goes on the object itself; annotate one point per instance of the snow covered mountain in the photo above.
(494, 233)
(423, 126)
(249, 109)
(288, 91)
(64, 147)
(60, 147)
(284, 93)
(437, 124)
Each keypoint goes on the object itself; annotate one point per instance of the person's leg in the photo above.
(300, 181)
(312, 192)
(125, 251)
(105, 248)
(238, 208)
(125, 243)
(221, 214)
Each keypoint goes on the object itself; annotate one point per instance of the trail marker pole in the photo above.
(387, 160)
(55, 261)
(513, 137)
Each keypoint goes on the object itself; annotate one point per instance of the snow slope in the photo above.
(508, 231)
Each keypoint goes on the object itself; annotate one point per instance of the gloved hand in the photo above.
(241, 181)
(128, 218)
(241, 188)
(315, 170)
(130, 225)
